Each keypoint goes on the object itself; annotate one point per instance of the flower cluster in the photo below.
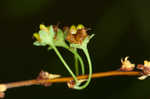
(77, 37)
(53, 35)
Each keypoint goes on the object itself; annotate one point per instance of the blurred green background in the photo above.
(122, 28)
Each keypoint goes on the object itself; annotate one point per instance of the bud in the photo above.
(73, 85)
(126, 65)
(43, 27)
(147, 64)
(2, 94)
(45, 76)
(73, 29)
(3, 87)
(145, 68)
(80, 26)
(36, 36)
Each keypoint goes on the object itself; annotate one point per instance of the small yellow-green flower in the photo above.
(43, 27)
(76, 34)
(73, 29)
(44, 36)
(36, 36)
(80, 26)
(50, 35)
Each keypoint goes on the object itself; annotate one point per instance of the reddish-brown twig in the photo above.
(67, 79)
(5, 86)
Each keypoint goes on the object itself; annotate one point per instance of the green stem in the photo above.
(79, 58)
(76, 65)
(90, 71)
(64, 62)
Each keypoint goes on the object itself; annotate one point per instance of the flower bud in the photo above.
(80, 26)
(126, 65)
(73, 29)
(145, 68)
(3, 88)
(43, 27)
(45, 76)
(73, 85)
(36, 36)
(2, 95)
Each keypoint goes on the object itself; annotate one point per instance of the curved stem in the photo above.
(64, 62)
(90, 71)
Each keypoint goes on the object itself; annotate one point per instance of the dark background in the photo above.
(122, 28)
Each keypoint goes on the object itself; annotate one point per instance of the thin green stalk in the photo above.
(79, 58)
(76, 65)
(64, 62)
(82, 64)
(90, 71)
